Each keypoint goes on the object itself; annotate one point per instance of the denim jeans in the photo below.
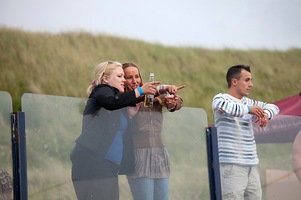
(149, 189)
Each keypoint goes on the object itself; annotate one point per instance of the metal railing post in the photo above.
(18, 138)
(213, 164)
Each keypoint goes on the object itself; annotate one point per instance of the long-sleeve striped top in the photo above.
(236, 141)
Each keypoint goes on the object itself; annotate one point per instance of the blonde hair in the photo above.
(103, 69)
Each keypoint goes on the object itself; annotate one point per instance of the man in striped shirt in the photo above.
(234, 114)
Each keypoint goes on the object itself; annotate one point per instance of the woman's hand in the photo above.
(172, 102)
(148, 88)
(132, 111)
(171, 89)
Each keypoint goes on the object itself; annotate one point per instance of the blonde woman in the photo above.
(98, 155)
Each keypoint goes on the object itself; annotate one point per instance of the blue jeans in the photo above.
(149, 189)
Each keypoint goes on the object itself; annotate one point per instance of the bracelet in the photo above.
(249, 109)
(140, 91)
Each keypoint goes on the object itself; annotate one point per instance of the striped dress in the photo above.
(236, 142)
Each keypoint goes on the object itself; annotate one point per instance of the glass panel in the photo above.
(279, 151)
(53, 123)
(6, 170)
(185, 139)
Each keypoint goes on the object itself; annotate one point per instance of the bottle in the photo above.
(149, 99)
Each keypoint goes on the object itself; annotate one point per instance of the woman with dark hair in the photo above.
(150, 181)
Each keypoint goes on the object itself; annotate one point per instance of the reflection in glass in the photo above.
(54, 122)
(6, 169)
(275, 148)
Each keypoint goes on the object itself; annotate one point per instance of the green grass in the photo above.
(62, 64)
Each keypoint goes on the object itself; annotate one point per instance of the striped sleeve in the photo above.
(223, 105)
(270, 109)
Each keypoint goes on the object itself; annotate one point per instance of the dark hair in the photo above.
(129, 64)
(235, 72)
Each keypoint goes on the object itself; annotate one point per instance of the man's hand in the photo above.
(261, 117)
(256, 110)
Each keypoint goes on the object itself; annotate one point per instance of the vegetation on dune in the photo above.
(62, 64)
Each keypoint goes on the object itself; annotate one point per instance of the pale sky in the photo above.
(241, 24)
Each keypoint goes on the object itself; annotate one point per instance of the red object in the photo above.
(290, 105)
(285, 126)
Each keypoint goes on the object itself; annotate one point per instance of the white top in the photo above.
(236, 141)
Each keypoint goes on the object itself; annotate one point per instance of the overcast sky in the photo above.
(242, 24)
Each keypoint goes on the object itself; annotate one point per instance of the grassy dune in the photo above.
(62, 64)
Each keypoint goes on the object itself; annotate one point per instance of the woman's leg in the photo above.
(161, 191)
(104, 188)
(142, 188)
(94, 179)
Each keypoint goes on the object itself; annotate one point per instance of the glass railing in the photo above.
(279, 151)
(54, 122)
(6, 169)
(52, 125)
